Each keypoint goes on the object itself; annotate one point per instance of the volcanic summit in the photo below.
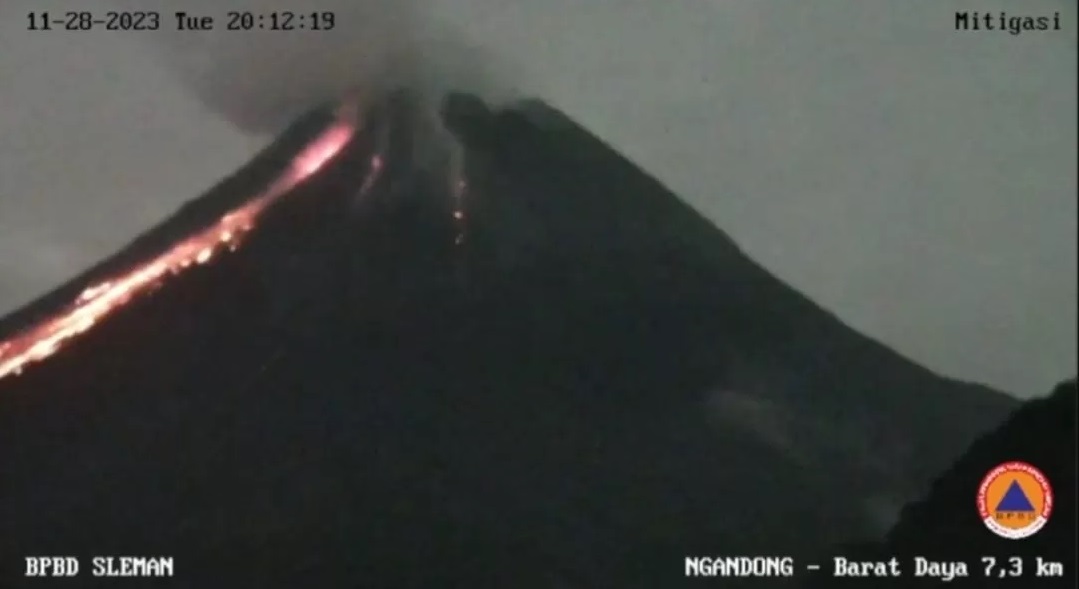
(472, 347)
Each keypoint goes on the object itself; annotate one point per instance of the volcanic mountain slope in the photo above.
(519, 363)
(945, 525)
(254, 177)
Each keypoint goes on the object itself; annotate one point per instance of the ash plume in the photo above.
(261, 79)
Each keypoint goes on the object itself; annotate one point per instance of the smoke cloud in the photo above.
(262, 79)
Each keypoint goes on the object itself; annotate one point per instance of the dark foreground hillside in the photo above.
(945, 525)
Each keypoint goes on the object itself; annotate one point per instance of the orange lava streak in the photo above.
(97, 301)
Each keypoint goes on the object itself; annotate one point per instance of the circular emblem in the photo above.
(1015, 500)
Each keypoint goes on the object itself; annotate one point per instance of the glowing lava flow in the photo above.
(458, 190)
(97, 301)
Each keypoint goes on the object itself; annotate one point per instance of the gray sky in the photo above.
(920, 182)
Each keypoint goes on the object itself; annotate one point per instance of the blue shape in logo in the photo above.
(1014, 499)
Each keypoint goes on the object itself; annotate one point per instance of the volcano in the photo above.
(464, 346)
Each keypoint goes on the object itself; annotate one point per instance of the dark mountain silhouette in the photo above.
(946, 526)
(518, 361)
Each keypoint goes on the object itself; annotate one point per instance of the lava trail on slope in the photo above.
(104, 295)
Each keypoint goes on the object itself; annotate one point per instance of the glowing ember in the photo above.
(373, 174)
(98, 301)
(459, 189)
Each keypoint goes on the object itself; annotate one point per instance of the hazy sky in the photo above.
(919, 181)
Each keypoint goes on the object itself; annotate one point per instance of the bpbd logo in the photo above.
(1015, 500)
